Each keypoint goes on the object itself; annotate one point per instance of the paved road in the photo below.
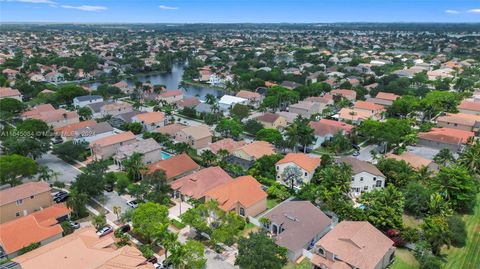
(66, 172)
(365, 153)
(112, 199)
(215, 261)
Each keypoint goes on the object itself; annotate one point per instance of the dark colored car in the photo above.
(125, 228)
(109, 188)
(61, 198)
(153, 259)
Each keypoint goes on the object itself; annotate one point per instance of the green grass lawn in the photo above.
(271, 203)
(404, 260)
(468, 256)
(305, 264)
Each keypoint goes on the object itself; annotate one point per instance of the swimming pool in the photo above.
(165, 155)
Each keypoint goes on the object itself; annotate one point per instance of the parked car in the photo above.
(57, 194)
(61, 198)
(104, 231)
(57, 140)
(109, 188)
(355, 153)
(132, 203)
(74, 225)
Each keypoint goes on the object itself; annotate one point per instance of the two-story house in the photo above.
(196, 137)
(365, 176)
(305, 166)
(106, 147)
(151, 120)
(272, 120)
(81, 101)
(149, 148)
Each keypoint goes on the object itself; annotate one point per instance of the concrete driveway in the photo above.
(365, 153)
(112, 199)
(66, 172)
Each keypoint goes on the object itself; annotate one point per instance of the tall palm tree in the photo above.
(134, 166)
(471, 158)
(210, 99)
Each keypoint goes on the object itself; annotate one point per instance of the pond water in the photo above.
(172, 81)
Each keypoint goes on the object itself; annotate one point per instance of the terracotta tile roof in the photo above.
(113, 139)
(460, 118)
(189, 102)
(319, 99)
(356, 243)
(36, 227)
(38, 109)
(344, 92)
(368, 106)
(8, 92)
(248, 94)
(467, 105)
(69, 130)
(268, 117)
(301, 220)
(447, 135)
(151, 117)
(84, 250)
(174, 166)
(304, 161)
(197, 132)
(23, 191)
(354, 115)
(227, 144)
(413, 160)
(258, 149)
(172, 93)
(171, 129)
(387, 96)
(196, 184)
(121, 84)
(244, 190)
(330, 127)
(359, 166)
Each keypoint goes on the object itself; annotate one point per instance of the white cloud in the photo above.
(85, 8)
(452, 11)
(167, 7)
(475, 10)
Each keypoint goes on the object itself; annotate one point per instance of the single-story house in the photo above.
(227, 144)
(81, 101)
(460, 121)
(445, 138)
(415, 161)
(228, 101)
(325, 129)
(175, 166)
(7, 92)
(171, 97)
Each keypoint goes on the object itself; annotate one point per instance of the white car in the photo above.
(132, 204)
(104, 231)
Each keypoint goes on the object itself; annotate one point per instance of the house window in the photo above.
(242, 211)
(321, 251)
(374, 178)
(17, 214)
(365, 188)
(378, 183)
(278, 167)
(306, 174)
(19, 202)
(361, 178)
(353, 178)
(31, 197)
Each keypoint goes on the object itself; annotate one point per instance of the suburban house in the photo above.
(227, 144)
(93, 132)
(353, 244)
(364, 106)
(296, 225)
(67, 132)
(272, 120)
(460, 121)
(290, 85)
(81, 101)
(254, 98)
(305, 166)
(106, 147)
(175, 167)
(350, 95)
(322, 100)
(84, 249)
(383, 99)
(54, 117)
(325, 129)
(469, 107)
(123, 86)
(7, 92)
(171, 97)
(118, 120)
(415, 161)
(171, 129)
(445, 138)
(354, 116)
(306, 108)
(289, 116)
(24, 199)
(228, 101)
(196, 185)
(102, 109)
(149, 148)
(246, 155)
(151, 120)
(39, 227)
(196, 137)
(203, 108)
(365, 176)
(189, 102)
(243, 195)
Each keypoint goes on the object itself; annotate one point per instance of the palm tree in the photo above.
(444, 157)
(169, 241)
(293, 136)
(208, 158)
(471, 158)
(134, 166)
(117, 210)
(210, 99)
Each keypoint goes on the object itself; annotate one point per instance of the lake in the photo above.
(172, 81)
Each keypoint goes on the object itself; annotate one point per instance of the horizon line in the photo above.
(338, 22)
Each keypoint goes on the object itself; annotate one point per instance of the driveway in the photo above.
(112, 199)
(365, 153)
(66, 172)
(178, 209)
(217, 261)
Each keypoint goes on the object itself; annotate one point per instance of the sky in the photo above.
(237, 11)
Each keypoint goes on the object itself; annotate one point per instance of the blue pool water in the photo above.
(165, 155)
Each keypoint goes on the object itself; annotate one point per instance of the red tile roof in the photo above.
(69, 130)
(113, 139)
(195, 185)
(151, 117)
(174, 166)
(447, 135)
(467, 105)
(227, 144)
(387, 96)
(304, 161)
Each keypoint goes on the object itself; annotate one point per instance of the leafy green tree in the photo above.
(291, 176)
(253, 126)
(90, 184)
(417, 198)
(66, 93)
(134, 127)
(278, 191)
(437, 101)
(15, 167)
(70, 152)
(10, 107)
(150, 220)
(436, 233)
(156, 187)
(339, 143)
(99, 221)
(471, 158)
(134, 166)
(264, 167)
(188, 255)
(270, 135)
(391, 132)
(230, 128)
(260, 251)
(403, 106)
(77, 203)
(208, 158)
(300, 133)
(240, 111)
(25, 146)
(398, 173)
(384, 207)
(122, 183)
(457, 230)
(85, 113)
(425, 257)
(457, 186)
(444, 157)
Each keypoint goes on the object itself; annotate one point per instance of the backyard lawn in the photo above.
(404, 260)
(304, 264)
(271, 203)
(468, 256)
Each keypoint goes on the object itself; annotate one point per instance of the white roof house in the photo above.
(228, 101)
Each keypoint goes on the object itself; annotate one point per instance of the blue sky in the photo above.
(224, 11)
